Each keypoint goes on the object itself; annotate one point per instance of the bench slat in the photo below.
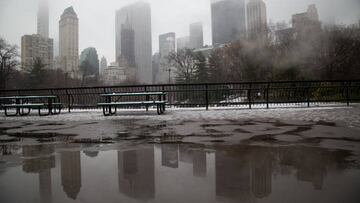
(132, 103)
(23, 105)
(134, 94)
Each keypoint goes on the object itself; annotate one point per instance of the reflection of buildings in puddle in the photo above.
(40, 159)
(245, 173)
(232, 172)
(71, 173)
(136, 173)
(309, 163)
(261, 172)
(170, 155)
(185, 153)
(199, 163)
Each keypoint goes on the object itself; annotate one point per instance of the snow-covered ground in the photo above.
(348, 116)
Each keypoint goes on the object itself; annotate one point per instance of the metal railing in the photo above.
(242, 94)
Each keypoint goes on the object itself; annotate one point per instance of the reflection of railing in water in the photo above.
(244, 94)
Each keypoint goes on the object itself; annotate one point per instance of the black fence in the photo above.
(244, 94)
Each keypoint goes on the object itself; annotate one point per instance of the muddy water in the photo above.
(177, 173)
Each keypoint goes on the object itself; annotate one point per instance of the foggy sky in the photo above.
(97, 18)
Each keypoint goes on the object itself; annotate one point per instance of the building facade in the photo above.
(128, 43)
(196, 35)
(103, 64)
(138, 18)
(114, 74)
(35, 47)
(183, 42)
(166, 46)
(69, 43)
(306, 24)
(228, 21)
(43, 18)
(119, 73)
(256, 19)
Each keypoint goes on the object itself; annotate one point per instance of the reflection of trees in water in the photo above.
(8, 149)
(91, 154)
(244, 173)
(40, 159)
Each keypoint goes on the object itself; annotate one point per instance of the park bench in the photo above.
(110, 107)
(24, 104)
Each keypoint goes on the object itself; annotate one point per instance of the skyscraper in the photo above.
(166, 46)
(138, 15)
(306, 24)
(36, 47)
(128, 43)
(228, 21)
(196, 35)
(69, 42)
(43, 18)
(256, 19)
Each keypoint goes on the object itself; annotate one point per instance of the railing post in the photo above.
(147, 98)
(249, 96)
(207, 96)
(267, 95)
(347, 94)
(163, 90)
(308, 96)
(69, 101)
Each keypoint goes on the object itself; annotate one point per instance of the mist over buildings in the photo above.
(97, 18)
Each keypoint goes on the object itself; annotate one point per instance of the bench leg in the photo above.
(159, 109)
(54, 112)
(10, 115)
(21, 113)
(105, 111)
(40, 114)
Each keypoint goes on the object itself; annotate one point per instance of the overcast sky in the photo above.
(97, 18)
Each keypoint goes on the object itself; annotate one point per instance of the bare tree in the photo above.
(8, 62)
(185, 62)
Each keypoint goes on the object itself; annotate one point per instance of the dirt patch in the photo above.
(92, 141)
(325, 123)
(239, 130)
(51, 124)
(39, 135)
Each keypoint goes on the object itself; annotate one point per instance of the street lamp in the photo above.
(169, 70)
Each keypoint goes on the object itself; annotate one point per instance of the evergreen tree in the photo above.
(36, 74)
(201, 72)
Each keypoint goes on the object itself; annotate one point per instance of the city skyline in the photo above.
(133, 29)
(192, 12)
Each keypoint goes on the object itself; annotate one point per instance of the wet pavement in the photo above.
(209, 160)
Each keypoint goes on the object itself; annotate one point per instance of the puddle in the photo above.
(181, 172)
